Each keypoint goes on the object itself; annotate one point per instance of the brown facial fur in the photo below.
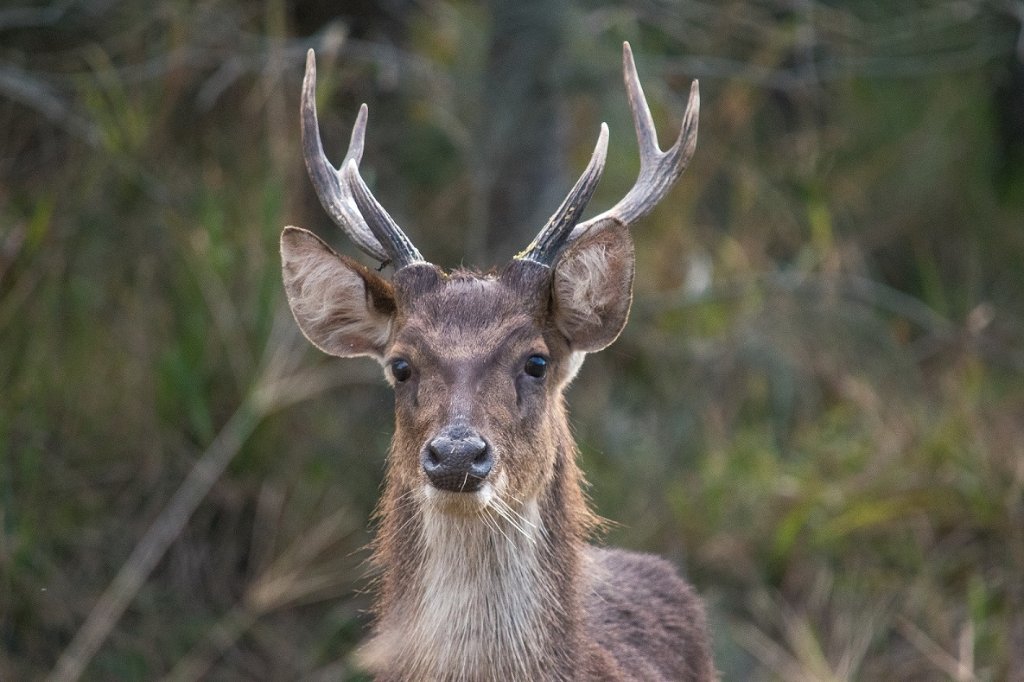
(467, 338)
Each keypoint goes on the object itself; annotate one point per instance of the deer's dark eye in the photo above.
(401, 370)
(536, 366)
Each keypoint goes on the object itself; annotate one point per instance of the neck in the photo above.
(493, 595)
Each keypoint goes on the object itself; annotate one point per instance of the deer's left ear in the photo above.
(592, 287)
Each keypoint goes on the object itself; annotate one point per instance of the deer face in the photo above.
(478, 362)
(470, 367)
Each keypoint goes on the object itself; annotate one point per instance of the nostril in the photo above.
(481, 464)
(433, 458)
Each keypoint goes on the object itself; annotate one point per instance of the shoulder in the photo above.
(621, 575)
(645, 614)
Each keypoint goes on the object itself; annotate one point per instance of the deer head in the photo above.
(478, 362)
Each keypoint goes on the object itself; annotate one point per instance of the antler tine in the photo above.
(335, 190)
(400, 250)
(658, 169)
(548, 243)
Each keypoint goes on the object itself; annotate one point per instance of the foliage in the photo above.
(817, 408)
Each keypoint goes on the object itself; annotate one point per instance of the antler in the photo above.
(548, 243)
(658, 170)
(343, 193)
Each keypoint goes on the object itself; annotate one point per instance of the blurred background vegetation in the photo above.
(816, 411)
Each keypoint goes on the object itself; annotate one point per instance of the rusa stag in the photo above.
(486, 573)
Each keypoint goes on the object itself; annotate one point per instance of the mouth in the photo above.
(461, 504)
(467, 503)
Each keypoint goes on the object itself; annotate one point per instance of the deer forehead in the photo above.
(469, 316)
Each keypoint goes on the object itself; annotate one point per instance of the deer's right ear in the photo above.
(341, 306)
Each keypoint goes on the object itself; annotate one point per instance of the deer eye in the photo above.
(401, 370)
(536, 366)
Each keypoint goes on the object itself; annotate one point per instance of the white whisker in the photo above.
(504, 514)
(496, 525)
(511, 510)
(528, 529)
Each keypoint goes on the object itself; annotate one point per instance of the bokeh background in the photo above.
(816, 410)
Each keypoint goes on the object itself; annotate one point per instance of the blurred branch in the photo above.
(821, 42)
(254, 55)
(22, 87)
(804, 649)
(811, 74)
(259, 54)
(863, 289)
(293, 578)
(221, 637)
(151, 548)
(33, 17)
(958, 669)
(938, 330)
(769, 653)
(1015, 8)
(272, 392)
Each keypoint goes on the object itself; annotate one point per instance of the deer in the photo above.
(484, 566)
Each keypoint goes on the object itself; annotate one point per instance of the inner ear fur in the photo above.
(592, 288)
(341, 306)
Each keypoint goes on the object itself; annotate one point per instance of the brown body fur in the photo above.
(646, 622)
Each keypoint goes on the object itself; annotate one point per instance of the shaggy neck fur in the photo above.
(492, 596)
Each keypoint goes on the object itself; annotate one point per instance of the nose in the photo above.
(457, 459)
